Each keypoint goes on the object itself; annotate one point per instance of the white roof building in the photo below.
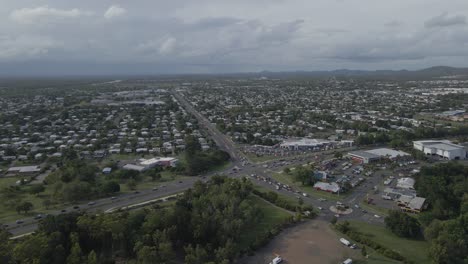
(133, 167)
(24, 169)
(405, 183)
(441, 148)
(327, 187)
(304, 143)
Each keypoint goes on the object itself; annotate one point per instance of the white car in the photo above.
(377, 216)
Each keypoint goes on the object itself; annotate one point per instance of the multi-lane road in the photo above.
(238, 160)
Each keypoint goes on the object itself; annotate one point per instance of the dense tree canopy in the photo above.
(402, 224)
(204, 226)
(446, 188)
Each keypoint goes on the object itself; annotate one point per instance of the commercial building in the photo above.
(411, 204)
(406, 183)
(134, 167)
(369, 156)
(164, 162)
(305, 144)
(327, 187)
(146, 164)
(363, 156)
(24, 170)
(442, 148)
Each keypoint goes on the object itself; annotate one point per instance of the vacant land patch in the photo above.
(310, 242)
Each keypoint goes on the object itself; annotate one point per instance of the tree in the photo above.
(36, 189)
(364, 251)
(303, 175)
(131, 184)
(338, 155)
(110, 187)
(47, 203)
(155, 176)
(402, 224)
(300, 201)
(333, 220)
(92, 258)
(75, 256)
(24, 206)
(286, 170)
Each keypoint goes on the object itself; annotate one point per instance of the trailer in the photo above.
(345, 242)
(276, 260)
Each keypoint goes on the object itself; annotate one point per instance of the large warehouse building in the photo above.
(441, 148)
(369, 156)
(305, 144)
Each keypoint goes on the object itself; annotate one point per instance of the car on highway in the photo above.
(113, 198)
(39, 216)
(136, 192)
(91, 203)
(19, 221)
(155, 189)
(76, 207)
(63, 211)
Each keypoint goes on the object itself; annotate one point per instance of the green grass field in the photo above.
(272, 216)
(414, 250)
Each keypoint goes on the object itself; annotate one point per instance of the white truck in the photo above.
(345, 242)
(348, 261)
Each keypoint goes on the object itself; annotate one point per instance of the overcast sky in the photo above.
(213, 36)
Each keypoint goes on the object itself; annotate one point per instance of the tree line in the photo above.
(204, 225)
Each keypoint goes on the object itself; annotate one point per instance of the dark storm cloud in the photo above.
(445, 20)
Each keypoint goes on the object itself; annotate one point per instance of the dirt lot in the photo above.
(311, 242)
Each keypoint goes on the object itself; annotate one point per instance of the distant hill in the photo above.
(432, 72)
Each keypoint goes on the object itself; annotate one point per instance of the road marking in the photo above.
(23, 235)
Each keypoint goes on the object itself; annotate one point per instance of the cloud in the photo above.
(444, 20)
(37, 14)
(25, 47)
(114, 11)
(168, 46)
(393, 23)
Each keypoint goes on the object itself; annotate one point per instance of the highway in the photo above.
(246, 168)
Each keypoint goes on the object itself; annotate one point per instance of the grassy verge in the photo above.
(374, 209)
(413, 250)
